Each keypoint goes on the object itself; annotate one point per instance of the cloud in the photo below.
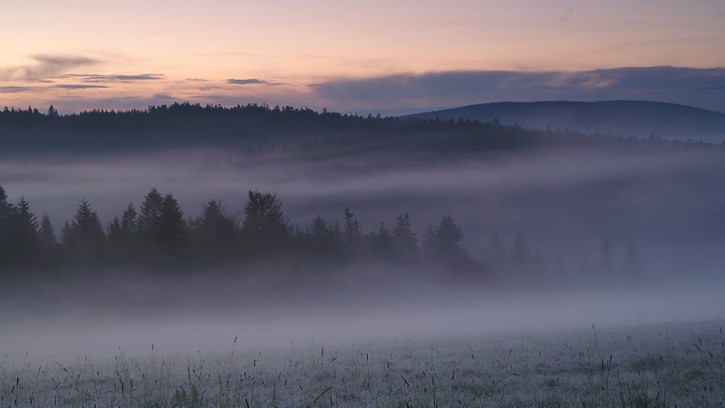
(250, 81)
(408, 92)
(164, 96)
(119, 77)
(46, 65)
(15, 89)
(78, 86)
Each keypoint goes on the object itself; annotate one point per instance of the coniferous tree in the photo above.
(607, 258)
(265, 227)
(83, 239)
(214, 231)
(47, 233)
(381, 243)
(48, 243)
(496, 251)
(443, 244)
(405, 243)
(428, 246)
(172, 227)
(324, 240)
(123, 235)
(352, 234)
(520, 253)
(129, 221)
(632, 264)
(6, 212)
(23, 231)
(147, 226)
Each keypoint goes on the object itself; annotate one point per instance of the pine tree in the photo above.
(23, 231)
(214, 231)
(265, 227)
(428, 247)
(83, 237)
(381, 243)
(47, 233)
(496, 251)
(148, 219)
(48, 243)
(352, 234)
(607, 258)
(129, 221)
(172, 227)
(632, 264)
(442, 245)
(405, 243)
(520, 253)
(6, 213)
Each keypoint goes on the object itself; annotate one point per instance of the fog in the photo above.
(184, 320)
(566, 201)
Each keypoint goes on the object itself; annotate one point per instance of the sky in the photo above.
(359, 57)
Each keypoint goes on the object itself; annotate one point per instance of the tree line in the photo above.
(158, 235)
(259, 128)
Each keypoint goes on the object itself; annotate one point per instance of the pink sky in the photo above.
(82, 54)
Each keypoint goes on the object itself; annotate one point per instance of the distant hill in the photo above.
(260, 128)
(625, 118)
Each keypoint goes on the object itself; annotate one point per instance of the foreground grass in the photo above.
(666, 365)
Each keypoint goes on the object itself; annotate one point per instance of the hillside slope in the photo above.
(626, 118)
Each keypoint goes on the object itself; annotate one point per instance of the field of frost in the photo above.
(661, 365)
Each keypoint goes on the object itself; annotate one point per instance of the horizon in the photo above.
(44, 109)
(378, 57)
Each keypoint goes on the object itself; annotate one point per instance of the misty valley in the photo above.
(257, 256)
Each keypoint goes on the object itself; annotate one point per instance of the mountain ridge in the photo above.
(618, 117)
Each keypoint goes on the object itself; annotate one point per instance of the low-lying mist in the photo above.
(567, 202)
(63, 319)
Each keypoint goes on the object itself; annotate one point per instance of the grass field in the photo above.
(663, 365)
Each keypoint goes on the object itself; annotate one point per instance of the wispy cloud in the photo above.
(46, 65)
(15, 89)
(78, 86)
(117, 77)
(250, 81)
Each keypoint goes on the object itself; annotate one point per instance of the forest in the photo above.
(157, 236)
(261, 128)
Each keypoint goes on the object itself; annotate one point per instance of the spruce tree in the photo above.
(405, 243)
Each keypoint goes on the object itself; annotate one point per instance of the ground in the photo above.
(671, 364)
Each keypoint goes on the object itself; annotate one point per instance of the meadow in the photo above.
(675, 364)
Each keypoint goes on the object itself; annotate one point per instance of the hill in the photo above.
(255, 128)
(625, 118)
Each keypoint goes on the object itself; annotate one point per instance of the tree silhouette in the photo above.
(352, 234)
(405, 243)
(442, 245)
(381, 243)
(149, 218)
(83, 238)
(520, 253)
(632, 264)
(496, 251)
(172, 228)
(6, 212)
(265, 227)
(607, 258)
(23, 231)
(48, 244)
(123, 235)
(214, 232)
